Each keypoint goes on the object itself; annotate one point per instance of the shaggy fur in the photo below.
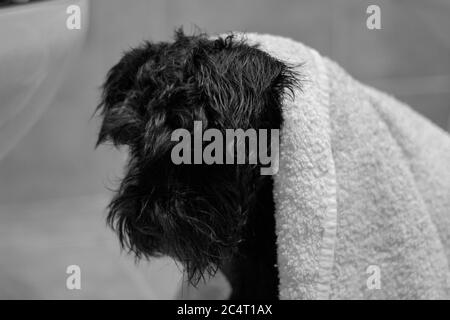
(205, 216)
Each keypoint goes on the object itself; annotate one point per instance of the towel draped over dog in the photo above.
(363, 190)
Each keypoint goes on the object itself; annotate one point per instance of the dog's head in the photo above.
(194, 213)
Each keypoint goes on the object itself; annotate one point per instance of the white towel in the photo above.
(363, 191)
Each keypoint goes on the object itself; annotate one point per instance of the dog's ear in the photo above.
(278, 80)
(241, 82)
(118, 107)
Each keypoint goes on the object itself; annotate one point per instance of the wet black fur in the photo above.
(205, 216)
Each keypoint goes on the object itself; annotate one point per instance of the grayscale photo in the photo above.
(243, 151)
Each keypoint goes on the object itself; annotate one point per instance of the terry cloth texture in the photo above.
(363, 189)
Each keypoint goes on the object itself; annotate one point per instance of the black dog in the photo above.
(205, 216)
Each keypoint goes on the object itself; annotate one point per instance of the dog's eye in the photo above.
(121, 125)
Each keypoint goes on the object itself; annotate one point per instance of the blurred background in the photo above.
(54, 185)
